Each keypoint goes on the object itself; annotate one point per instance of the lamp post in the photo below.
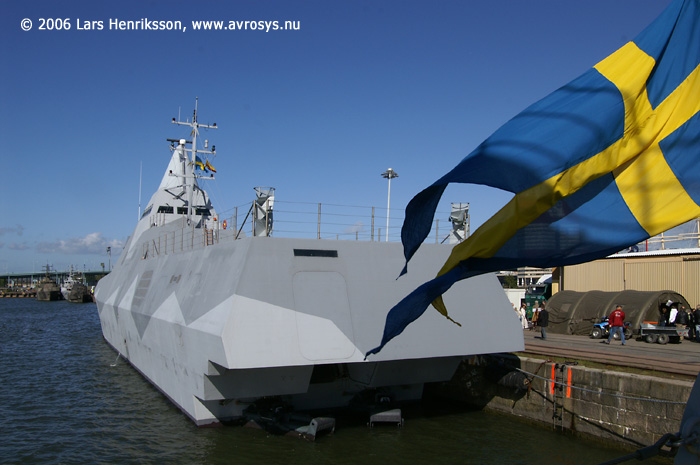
(388, 174)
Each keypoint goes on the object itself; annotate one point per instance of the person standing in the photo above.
(523, 316)
(535, 315)
(543, 321)
(696, 317)
(663, 317)
(672, 316)
(688, 321)
(617, 324)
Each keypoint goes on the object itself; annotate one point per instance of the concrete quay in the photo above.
(630, 395)
(17, 293)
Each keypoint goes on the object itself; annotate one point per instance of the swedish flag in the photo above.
(198, 163)
(607, 161)
(204, 166)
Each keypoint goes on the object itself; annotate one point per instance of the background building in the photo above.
(669, 261)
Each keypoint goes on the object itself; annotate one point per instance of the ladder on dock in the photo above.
(560, 389)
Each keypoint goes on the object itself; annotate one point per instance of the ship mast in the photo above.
(190, 161)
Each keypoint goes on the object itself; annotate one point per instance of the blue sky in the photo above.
(319, 112)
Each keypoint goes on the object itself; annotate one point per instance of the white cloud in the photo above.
(18, 229)
(92, 243)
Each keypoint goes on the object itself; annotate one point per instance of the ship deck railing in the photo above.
(336, 222)
(295, 220)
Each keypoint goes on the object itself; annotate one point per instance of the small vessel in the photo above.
(74, 288)
(48, 289)
(230, 326)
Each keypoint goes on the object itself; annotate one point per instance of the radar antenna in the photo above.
(191, 159)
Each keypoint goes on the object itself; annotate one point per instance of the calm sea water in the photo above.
(63, 401)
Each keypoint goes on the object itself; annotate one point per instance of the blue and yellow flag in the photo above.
(204, 166)
(607, 161)
(198, 163)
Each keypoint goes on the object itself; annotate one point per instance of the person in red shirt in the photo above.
(617, 324)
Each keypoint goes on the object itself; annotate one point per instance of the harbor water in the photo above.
(66, 398)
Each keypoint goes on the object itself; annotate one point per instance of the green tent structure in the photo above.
(572, 312)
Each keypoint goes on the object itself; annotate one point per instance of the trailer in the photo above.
(651, 332)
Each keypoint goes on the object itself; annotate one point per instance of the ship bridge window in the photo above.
(147, 211)
(165, 209)
(183, 211)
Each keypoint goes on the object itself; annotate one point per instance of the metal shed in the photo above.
(676, 269)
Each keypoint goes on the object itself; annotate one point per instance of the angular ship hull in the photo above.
(217, 322)
(48, 289)
(48, 295)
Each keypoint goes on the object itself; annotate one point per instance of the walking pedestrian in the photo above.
(617, 324)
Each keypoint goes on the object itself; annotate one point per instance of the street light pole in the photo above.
(388, 174)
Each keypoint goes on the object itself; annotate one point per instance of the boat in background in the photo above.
(230, 326)
(74, 289)
(48, 289)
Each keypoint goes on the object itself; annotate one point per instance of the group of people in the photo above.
(539, 317)
(669, 316)
(684, 317)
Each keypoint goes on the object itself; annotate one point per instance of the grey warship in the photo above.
(48, 290)
(218, 320)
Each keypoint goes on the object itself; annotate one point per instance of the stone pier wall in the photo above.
(611, 405)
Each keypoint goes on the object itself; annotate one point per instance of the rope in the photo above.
(600, 392)
(672, 441)
(649, 451)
